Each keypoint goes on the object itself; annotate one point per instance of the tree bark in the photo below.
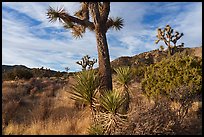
(102, 46)
(104, 60)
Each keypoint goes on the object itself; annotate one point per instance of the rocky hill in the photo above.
(151, 57)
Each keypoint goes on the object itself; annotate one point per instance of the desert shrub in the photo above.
(42, 108)
(8, 111)
(23, 73)
(159, 118)
(18, 73)
(178, 79)
(8, 76)
(15, 93)
(139, 72)
(58, 74)
(163, 78)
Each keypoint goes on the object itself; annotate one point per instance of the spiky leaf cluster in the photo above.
(115, 23)
(81, 19)
(111, 101)
(86, 87)
(124, 75)
(111, 120)
(96, 129)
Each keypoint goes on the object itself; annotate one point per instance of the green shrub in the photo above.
(23, 74)
(165, 77)
(17, 73)
(139, 72)
(8, 75)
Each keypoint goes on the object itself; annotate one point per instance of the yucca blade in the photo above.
(111, 101)
(124, 75)
(53, 14)
(86, 87)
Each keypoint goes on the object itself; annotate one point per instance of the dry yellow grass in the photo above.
(31, 119)
(41, 114)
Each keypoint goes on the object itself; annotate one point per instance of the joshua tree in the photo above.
(161, 48)
(100, 23)
(167, 35)
(86, 62)
(67, 69)
(91, 63)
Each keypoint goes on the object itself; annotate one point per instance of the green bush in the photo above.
(17, 73)
(139, 72)
(23, 74)
(165, 77)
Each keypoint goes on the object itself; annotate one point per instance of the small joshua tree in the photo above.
(161, 48)
(168, 36)
(67, 69)
(91, 63)
(86, 62)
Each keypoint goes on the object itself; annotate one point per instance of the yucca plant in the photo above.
(111, 119)
(124, 77)
(86, 88)
(111, 101)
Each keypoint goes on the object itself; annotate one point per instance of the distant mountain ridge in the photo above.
(146, 58)
(10, 67)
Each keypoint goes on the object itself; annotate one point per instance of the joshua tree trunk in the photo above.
(169, 51)
(102, 46)
(104, 61)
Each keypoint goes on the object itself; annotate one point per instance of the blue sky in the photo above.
(29, 39)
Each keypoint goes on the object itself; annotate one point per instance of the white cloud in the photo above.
(24, 44)
(20, 46)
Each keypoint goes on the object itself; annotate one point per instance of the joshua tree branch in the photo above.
(67, 18)
(106, 10)
(95, 12)
(61, 14)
